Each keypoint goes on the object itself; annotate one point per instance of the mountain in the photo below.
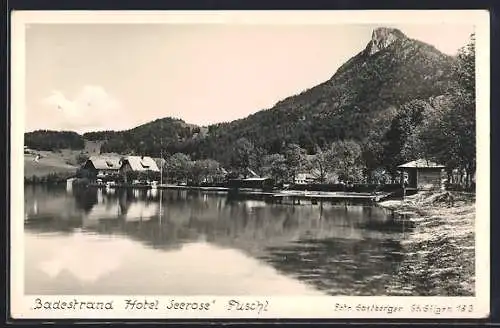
(362, 96)
(358, 102)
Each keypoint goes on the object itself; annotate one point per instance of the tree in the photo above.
(465, 67)
(410, 121)
(148, 175)
(295, 157)
(243, 156)
(449, 134)
(275, 166)
(401, 142)
(345, 160)
(178, 167)
(464, 113)
(372, 146)
(131, 176)
(85, 174)
(320, 164)
(413, 147)
(81, 158)
(372, 152)
(205, 170)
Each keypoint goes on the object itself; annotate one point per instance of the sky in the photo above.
(88, 77)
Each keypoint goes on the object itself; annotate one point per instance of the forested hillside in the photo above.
(53, 140)
(167, 133)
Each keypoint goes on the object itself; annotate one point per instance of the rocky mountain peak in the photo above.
(383, 37)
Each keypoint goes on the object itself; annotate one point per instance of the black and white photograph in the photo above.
(228, 157)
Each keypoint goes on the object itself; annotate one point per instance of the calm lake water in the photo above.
(89, 241)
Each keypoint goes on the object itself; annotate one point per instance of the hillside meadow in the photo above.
(59, 161)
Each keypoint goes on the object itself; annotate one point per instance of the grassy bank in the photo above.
(49, 164)
(61, 162)
(439, 253)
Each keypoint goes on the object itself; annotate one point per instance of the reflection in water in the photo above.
(102, 255)
(87, 241)
(350, 272)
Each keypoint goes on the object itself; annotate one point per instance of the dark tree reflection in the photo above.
(349, 250)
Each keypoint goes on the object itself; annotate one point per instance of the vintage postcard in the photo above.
(231, 164)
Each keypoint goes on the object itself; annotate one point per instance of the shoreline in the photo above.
(439, 252)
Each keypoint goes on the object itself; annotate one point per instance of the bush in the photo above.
(81, 182)
(49, 179)
(81, 158)
(85, 174)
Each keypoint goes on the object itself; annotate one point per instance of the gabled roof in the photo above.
(421, 163)
(142, 163)
(105, 162)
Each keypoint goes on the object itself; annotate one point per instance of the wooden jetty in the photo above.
(274, 197)
(120, 186)
(180, 187)
(333, 197)
(290, 197)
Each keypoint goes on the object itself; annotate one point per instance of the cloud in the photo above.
(102, 256)
(92, 108)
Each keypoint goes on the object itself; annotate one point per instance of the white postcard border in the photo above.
(23, 306)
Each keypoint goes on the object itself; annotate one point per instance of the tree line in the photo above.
(444, 129)
(340, 162)
(53, 140)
